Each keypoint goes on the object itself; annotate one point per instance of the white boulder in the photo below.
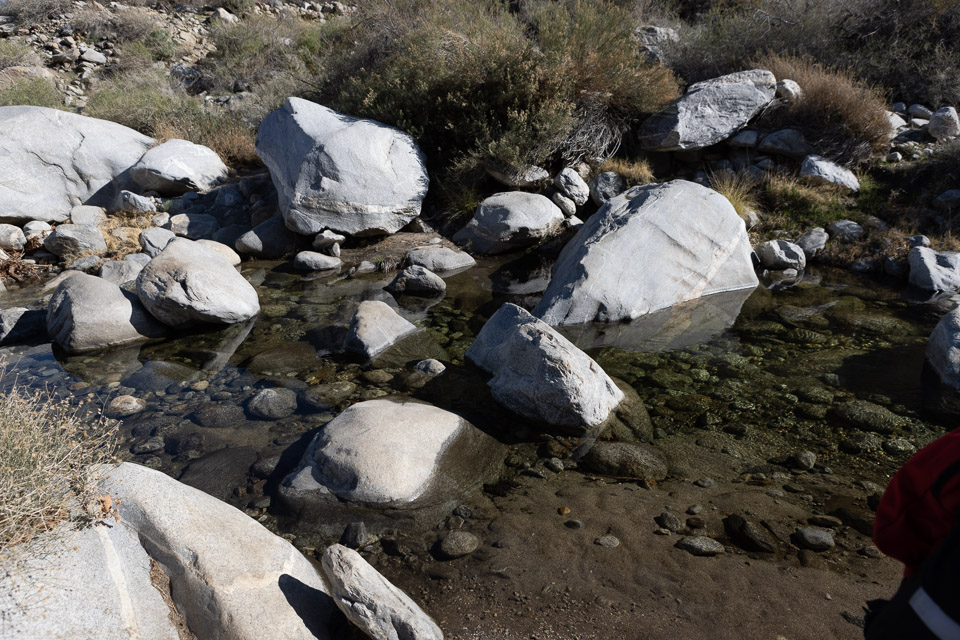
(934, 270)
(374, 328)
(178, 166)
(778, 255)
(822, 171)
(508, 221)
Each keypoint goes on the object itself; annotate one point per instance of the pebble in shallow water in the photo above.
(458, 544)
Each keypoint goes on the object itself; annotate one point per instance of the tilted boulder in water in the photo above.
(334, 171)
(374, 328)
(648, 249)
(541, 375)
(178, 166)
(188, 283)
(87, 313)
(511, 220)
(710, 112)
(53, 160)
(780, 254)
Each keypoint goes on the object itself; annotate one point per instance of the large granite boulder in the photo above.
(178, 166)
(511, 220)
(822, 171)
(52, 160)
(780, 254)
(541, 375)
(647, 249)
(372, 602)
(271, 239)
(334, 171)
(87, 313)
(187, 283)
(934, 270)
(374, 328)
(390, 452)
(943, 349)
(710, 112)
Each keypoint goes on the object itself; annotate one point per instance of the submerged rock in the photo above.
(417, 281)
(626, 460)
(374, 328)
(540, 374)
(334, 171)
(648, 249)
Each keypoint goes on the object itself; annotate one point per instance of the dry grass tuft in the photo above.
(634, 172)
(121, 232)
(739, 189)
(46, 450)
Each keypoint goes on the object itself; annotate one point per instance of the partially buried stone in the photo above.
(273, 404)
(607, 541)
(813, 538)
(700, 546)
(354, 535)
(669, 521)
(123, 406)
(458, 544)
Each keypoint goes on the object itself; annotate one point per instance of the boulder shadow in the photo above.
(316, 609)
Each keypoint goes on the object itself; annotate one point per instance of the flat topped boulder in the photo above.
(334, 171)
(541, 375)
(647, 249)
(178, 166)
(187, 283)
(508, 221)
(53, 160)
(439, 259)
(710, 112)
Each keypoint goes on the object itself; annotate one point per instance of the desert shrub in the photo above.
(132, 23)
(477, 84)
(46, 450)
(843, 118)
(29, 12)
(36, 92)
(14, 53)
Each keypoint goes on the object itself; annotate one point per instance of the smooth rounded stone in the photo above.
(710, 112)
(178, 166)
(894, 124)
(194, 225)
(87, 264)
(458, 544)
(36, 229)
(943, 349)
(270, 240)
(700, 546)
(273, 404)
(822, 171)
(390, 452)
(899, 447)
(669, 521)
(813, 241)
(778, 255)
(947, 201)
(845, 231)
(572, 186)
(188, 283)
(417, 281)
(746, 139)
(944, 123)
(789, 90)
(430, 366)
(787, 142)
(229, 234)
(861, 442)
(919, 111)
(326, 396)
(154, 240)
(805, 460)
(868, 416)
(894, 157)
(12, 238)
(813, 538)
(541, 375)
(334, 171)
(608, 541)
(375, 326)
(439, 259)
(748, 535)
(567, 206)
(625, 460)
(371, 602)
(648, 249)
(606, 185)
(519, 178)
(508, 221)
(313, 261)
(120, 272)
(705, 483)
(19, 324)
(125, 406)
(74, 239)
(134, 203)
(53, 160)
(219, 416)
(226, 252)
(355, 535)
(87, 313)
(934, 270)
(327, 240)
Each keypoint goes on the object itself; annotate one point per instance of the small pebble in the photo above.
(607, 541)
(706, 483)
(700, 546)
(573, 524)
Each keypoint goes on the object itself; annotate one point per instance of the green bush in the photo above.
(17, 54)
(36, 92)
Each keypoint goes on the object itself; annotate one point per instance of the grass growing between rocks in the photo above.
(46, 450)
(31, 91)
(634, 172)
(739, 189)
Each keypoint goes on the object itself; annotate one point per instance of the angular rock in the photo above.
(813, 538)
(508, 221)
(154, 240)
(371, 602)
(789, 90)
(523, 178)
(120, 272)
(822, 171)
(74, 239)
(87, 313)
(53, 160)
(934, 270)
(845, 231)
(326, 240)
(268, 240)
(572, 185)
(778, 255)
(813, 241)
(539, 374)
(194, 225)
(625, 460)
(188, 283)
(700, 546)
(313, 261)
(748, 535)
(944, 123)
(134, 203)
(417, 281)
(787, 142)
(178, 166)
(85, 214)
(374, 328)
(710, 112)
(337, 172)
(605, 186)
(439, 259)
(943, 349)
(648, 249)
(19, 324)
